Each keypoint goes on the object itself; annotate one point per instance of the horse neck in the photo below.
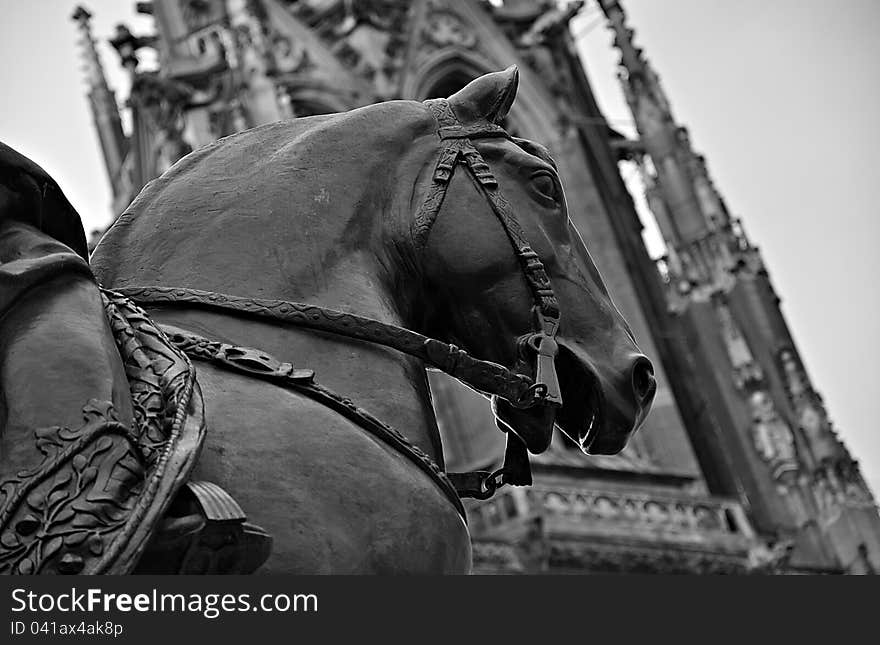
(390, 385)
(336, 253)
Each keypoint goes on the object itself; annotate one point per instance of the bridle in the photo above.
(458, 149)
(520, 390)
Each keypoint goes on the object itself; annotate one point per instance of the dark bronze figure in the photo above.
(246, 388)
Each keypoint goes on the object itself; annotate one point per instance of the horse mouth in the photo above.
(587, 416)
(594, 406)
(581, 417)
(598, 412)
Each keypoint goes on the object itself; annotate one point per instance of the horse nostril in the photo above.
(643, 381)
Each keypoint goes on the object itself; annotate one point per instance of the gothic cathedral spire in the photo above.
(800, 479)
(101, 99)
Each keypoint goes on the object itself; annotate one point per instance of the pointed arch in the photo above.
(309, 97)
(445, 68)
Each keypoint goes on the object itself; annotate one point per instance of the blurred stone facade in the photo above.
(738, 468)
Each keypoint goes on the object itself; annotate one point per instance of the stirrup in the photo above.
(205, 531)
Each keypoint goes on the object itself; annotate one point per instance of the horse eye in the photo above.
(544, 183)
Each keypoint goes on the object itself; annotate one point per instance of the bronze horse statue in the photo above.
(306, 272)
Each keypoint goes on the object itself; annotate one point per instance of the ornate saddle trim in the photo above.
(182, 422)
(94, 499)
(255, 363)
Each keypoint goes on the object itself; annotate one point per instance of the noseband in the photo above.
(519, 390)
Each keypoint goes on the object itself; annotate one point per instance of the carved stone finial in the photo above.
(103, 101)
(770, 559)
(81, 14)
(124, 42)
(550, 22)
(127, 44)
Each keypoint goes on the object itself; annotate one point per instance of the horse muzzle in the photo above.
(604, 405)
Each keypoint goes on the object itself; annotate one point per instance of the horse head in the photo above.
(478, 296)
(371, 212)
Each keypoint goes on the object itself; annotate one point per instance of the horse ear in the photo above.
(488, 97)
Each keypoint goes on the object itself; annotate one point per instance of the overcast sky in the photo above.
(782, 97)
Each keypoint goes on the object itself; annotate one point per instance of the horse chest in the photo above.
(334, 498)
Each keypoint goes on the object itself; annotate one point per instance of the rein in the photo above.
(484, 376)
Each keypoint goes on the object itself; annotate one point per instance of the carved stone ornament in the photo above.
(825, 497)
(554, 18)
(199, 14)
(772, 437)
(854, 492)
(342, 16)
(288, 55)
(607, 559)
(811, 414)
(445, 28)
(795, 378)
(161, 103)
(367, 36)
(745, 369)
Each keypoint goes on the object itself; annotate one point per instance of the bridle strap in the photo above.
(256, 363)
(458, 149)
(484, 376)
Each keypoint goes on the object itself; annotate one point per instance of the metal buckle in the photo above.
(533, 395)
(255, 362)
(546, 389)
(477, 484)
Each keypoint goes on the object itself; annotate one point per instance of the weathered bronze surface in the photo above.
(393, 231)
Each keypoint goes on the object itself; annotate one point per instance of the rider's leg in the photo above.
(56, 348)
